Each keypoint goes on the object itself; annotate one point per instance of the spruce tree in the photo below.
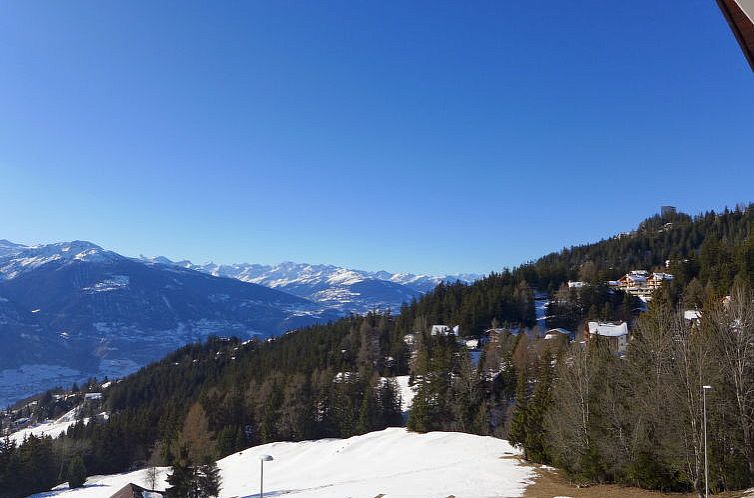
(76, 472)
(181, 480)
(519, 419)
(390, 403)
(226, 441)
(536, 434)
(240, 439)
(208, 481)
(368, 411)
(420, 418)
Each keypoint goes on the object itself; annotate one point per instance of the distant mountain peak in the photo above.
(8, 248)
(16, 259)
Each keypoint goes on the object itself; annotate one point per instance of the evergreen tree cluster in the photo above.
(505, 297)
(28, 467)
(453, 394)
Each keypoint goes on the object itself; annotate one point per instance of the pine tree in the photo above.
(226, 441)
(420, 418)
(369, 340)
(536, 434)
(241, 442)
(390, 403)
(76, 472)
(366, 422)
(519, 419)
(208, 481)
(181, 480)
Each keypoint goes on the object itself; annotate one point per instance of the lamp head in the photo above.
(266, 458)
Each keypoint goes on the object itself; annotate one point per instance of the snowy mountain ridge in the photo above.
(343, 288)
(16, 259)
(288, 273)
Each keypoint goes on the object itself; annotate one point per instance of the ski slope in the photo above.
(392, 463)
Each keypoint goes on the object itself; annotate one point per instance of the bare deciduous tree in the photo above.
(732, 326)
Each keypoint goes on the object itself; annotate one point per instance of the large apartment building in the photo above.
(641, 283)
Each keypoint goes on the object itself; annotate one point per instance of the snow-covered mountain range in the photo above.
(70, 310)
(345, 289)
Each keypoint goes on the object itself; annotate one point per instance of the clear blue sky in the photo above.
(410, 136)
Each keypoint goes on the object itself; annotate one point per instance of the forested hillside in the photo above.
(600, 417)
(713, 247)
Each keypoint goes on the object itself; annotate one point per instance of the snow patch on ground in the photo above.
(393, 463)
(117, 282)
(407, 392)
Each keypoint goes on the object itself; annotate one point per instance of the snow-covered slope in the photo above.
(343, 288)
(52, 428)
(17, 259)
(391, 463)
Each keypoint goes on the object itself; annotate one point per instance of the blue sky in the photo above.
(408, 136)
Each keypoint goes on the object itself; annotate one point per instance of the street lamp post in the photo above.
(262, 459)
(706, 471)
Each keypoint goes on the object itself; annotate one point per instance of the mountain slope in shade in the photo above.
(346, 289)
(74, 309)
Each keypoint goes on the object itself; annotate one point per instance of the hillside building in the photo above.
(560, 333)
(445, 330)
(132, 490)
(641, 283)
(616, 334)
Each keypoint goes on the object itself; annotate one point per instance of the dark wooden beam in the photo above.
(742, 27)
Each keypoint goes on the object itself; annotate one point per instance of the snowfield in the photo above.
(52, 428)
(391, 463)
